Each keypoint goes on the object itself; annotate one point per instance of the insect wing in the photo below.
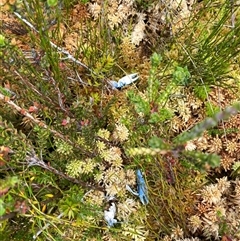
(128, 79)
(131, 191)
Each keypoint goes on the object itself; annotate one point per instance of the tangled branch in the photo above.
(33, 160)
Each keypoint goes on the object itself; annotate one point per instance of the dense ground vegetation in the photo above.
(70, 142)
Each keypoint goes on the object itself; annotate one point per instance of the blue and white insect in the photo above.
(126, 80)
(142, 191)
(109, 215)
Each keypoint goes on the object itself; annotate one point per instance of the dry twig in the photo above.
(63, 51)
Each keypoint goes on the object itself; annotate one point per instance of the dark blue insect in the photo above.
(142, 188)
(142, 191)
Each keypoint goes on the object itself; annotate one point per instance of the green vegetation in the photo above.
(70, 142)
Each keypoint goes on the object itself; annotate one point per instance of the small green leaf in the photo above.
(156, 142)
(181, 76)
(2, 41)
(2, 209)
(52, 3)
(155, 59)
(160, 116)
